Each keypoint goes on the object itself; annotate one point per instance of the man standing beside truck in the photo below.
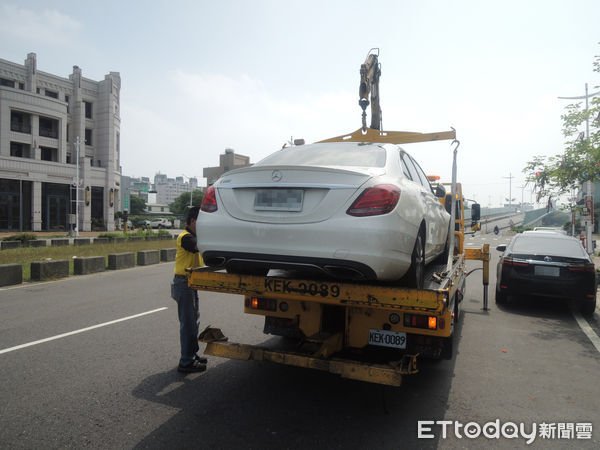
(187, 299)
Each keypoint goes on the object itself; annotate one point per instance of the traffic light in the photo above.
(540, 178)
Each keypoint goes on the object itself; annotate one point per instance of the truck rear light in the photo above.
(432, 323)
(375, 201)
(267, 304)
(209, 202)
(420, 321)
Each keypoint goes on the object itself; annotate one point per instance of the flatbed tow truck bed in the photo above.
(340, 321)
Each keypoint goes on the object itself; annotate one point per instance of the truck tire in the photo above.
(448, 348)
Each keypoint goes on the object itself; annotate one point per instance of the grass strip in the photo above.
(26, 255)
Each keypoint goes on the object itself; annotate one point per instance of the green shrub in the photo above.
(109, 235)
(23, 237)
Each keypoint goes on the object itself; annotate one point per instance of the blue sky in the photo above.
(199, 77)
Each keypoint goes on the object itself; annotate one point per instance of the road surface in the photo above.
(90, 361)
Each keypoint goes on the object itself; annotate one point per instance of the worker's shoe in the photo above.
(194, 367)
(200, 359)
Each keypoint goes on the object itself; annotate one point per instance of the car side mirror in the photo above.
(475, 212)
(501, 247)
(440, 191)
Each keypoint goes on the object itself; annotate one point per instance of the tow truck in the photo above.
(364, 331)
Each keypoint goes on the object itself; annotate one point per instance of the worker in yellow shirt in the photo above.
(187, 299)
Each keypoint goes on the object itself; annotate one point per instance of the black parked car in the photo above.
(547, 264)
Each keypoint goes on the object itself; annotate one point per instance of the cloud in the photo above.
(49, 26)
(202, 114)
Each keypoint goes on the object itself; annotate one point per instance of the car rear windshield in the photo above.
(531, 245)
(328, 155)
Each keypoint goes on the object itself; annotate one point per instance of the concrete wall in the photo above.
(48, 270)
(11, 274)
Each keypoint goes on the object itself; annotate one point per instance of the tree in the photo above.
(580, 161)
(137, 205)
(181, 203)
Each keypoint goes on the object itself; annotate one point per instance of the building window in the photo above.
(19, 150)
(67, 132)
(69, 158)
(37, 90)
(67, 102)
(7, 83)
(48, 127)
(51, 93)
(88, 136)
(48, 154)
(88, 110)
(22, 86)
(20, 122)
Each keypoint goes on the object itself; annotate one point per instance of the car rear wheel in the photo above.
(588, 307)
(416, 274)
(500, 297)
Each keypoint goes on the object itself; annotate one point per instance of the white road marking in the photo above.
(585, 327)
(59, 336)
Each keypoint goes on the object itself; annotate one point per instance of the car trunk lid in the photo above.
(290, 194)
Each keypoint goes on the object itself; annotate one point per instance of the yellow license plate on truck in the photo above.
(386, 338)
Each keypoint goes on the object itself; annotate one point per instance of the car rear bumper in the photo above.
(554, 288)
(367, 246)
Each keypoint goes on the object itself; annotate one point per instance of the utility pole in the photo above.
(510, 178)
(588, 184)
(191, 190)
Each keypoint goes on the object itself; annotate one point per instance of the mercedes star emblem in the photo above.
(276, 175)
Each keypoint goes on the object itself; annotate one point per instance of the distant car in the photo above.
(548, 264)
(160, 223)
(350, 210)
(143, 223)
(550, 229)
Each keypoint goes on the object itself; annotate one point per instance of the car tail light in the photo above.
(508, 261)
(375, 201)
(209, 202)
(582, 268)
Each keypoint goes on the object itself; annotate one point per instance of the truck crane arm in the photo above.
(370, 72)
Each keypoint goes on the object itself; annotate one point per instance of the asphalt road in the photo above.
(116, 385)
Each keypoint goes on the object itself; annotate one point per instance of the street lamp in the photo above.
(191, 190)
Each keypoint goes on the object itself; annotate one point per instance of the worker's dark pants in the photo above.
(187, 309)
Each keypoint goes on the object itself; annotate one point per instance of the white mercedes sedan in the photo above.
(353, 211)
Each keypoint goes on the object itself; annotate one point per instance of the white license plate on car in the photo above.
(278, 199)
(547, 271)
(385, 338)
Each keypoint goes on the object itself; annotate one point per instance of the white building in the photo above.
(41, 117)
(168, 189)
